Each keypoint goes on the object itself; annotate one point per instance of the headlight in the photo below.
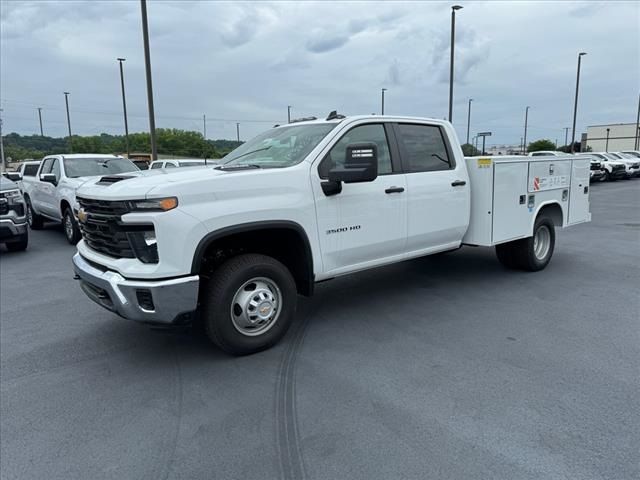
(154, 204)
(12, 196)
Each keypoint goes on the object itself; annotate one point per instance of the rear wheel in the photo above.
(505, 254)
(248, 303)
(34, 220)
(20, 245)
(533, 253)
(71, 229)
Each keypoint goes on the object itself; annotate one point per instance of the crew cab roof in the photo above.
(352, 118)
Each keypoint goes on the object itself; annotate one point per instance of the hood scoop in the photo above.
(111, 179)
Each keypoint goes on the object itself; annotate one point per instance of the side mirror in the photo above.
(360, 164)
(49, 178)
(14, 176)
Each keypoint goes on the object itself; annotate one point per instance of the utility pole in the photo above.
(526, 121)
(124, 107)
(40, 118)
(147, 64)
(575, 105)
(469, 119)
(66, 101)
(288, 113)
(453, 37)
(238, 130)
(566, 136)
(606, 145)
(382, 110)
(204, 126)
(3, 166)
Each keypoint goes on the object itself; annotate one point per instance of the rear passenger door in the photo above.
(437, 188)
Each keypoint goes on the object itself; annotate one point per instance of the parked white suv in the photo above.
(51, 193)
(180, 163)
(303, 203)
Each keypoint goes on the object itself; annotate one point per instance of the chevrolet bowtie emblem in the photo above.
(82, 215)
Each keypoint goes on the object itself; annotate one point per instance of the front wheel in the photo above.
(248, 303)
(71, 230)
(34, 220)
(20, 245)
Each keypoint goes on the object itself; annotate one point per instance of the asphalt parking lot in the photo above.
(447, 367)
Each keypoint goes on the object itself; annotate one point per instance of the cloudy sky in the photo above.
(246, 62)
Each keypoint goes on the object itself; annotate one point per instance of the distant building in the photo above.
(503, 149)
(622, 136)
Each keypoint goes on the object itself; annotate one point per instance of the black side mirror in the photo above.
(49, 178)
(360, 165)
(14, 176)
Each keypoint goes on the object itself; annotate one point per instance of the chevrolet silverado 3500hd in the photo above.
(306, 202)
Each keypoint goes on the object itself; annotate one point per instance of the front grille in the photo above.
(617, 167)
(595, 166)
(4, 207)
(102, 229)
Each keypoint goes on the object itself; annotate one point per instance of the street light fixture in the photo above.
(469, 119)
(453, 36)
(382, 91)
(526, 121)
(66, 101)
(124, 106)
(575, 105)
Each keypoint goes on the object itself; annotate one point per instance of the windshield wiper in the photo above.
(242, 166)
(249, 153)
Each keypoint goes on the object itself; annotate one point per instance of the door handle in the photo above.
(394, 190)
(458, 183)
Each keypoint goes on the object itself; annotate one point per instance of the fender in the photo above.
(543, 205)
(211, 237)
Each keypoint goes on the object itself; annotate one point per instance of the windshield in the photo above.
(280, 147)
(92, 167)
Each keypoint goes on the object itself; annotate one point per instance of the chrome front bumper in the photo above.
(12, 228)
(147, 301)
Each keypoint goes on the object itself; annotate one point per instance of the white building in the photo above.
(621, 136)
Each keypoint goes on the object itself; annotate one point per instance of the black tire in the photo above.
(525, 251)
(20, 245)
(217, 299)
(70, 227)
(604, 177)
(35, 221)
(506, 255)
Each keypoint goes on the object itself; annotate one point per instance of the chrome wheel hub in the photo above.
(68, 226)
(542, 242)
(256, 306)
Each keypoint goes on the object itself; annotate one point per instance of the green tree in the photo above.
(541, 145)
(469, 150)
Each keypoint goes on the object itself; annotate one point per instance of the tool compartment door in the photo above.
(579, 195)
(511, 218)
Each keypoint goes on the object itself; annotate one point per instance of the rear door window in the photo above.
(423, 148)
(30, 170)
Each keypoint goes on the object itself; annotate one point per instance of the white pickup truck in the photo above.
(50, 193)
(233, 245)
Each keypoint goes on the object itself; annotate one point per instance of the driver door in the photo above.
(365, 224)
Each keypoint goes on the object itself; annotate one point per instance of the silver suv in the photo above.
(13, 220)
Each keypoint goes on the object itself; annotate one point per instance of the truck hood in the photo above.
(134, 185)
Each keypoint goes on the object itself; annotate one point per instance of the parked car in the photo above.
(632, 166)
(633, 153)
(51, 193)
(543, 153)
(13, 221)
(614, 170)
(307, 202)
(29, 169)
(181, 163)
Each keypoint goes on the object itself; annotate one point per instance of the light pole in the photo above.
(288, 113)
(469, 119)
(526, 121)
(147, 65)
(606, 145)
(575, 105)
(40, 118)
(3, 167)
(453, 37)
(636, 144)
(382, 92)
(204, 126)
(238, 130)
(124, 106)
(66, 101)
(566, 133)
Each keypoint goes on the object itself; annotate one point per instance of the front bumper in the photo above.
(596, 175)
(10, 229)
(146, 301)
